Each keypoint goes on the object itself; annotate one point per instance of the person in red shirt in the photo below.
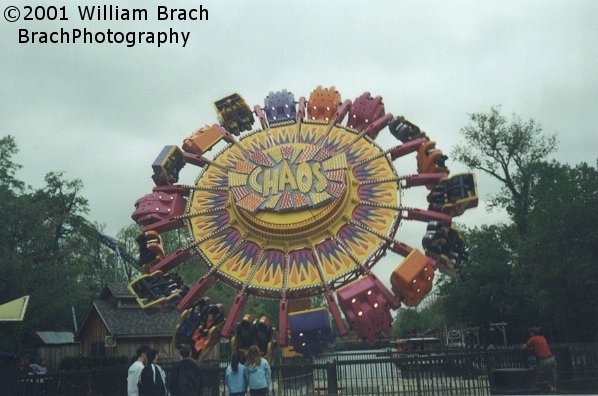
(546, 373)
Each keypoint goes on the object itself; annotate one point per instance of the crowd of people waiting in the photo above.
(146, 378)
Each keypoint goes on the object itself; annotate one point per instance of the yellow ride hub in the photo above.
(293, 198)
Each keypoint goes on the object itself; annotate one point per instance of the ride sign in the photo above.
(287, 177)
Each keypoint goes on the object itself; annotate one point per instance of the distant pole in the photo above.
(116, 264)
(74, 318)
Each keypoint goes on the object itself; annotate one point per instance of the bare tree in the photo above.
(509, 152)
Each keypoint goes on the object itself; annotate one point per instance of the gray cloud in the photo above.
(102, 113)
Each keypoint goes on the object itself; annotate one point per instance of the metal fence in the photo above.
(380, 372)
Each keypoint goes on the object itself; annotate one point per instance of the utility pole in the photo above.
(116, 262)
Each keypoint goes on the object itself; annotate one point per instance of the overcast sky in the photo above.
(102, 113)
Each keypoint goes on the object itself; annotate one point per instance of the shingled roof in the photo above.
(136, 322)
(117, 290)
(132, 321)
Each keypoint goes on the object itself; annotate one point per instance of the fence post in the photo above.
(331, 377)
(418, 374)
(89, 382)
(489, 368)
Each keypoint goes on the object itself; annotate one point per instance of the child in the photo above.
(235, 376)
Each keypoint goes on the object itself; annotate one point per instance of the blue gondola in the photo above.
(403, 130)
(280, 106)
(311, 331)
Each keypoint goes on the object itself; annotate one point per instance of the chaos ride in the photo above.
(305, 205)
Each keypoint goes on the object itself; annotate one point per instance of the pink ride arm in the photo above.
(226, 135)
(379, 125)
(172, 260)
(342, 111)
(260, 114)
(195, 159)
(427, 215)
(406, 148)
(423, 179)
(400, 248)
(301, 109)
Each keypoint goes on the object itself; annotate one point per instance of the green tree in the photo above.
(548, 278)
(127, 237)
(557, 261)
(410, 322)
(47, 248)
(508, 151)
(486, 289)
(8, 168)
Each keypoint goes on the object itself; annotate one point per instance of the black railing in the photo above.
(381, 372)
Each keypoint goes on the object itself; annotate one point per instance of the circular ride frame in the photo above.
(293, 239)
(302, 207)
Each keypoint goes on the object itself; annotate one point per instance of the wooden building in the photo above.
(53, 346)
(115, 326)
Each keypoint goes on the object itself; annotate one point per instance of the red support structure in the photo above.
(235, 309)
(172, 260)
(341, 327)
(199, 288)
(283, 323)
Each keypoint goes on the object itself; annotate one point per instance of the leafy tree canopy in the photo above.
(49, 249)
(550, 277)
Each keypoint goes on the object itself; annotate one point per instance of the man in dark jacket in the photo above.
(186, 376)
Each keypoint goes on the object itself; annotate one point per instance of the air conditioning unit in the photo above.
(109, 341)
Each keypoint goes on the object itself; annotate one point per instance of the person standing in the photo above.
(546, 362)
(257, 372)
(39, 366)
(152, 381)
(235, 376)
(135, 370)
(186, 376)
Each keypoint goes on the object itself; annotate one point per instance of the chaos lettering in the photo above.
(281, 180)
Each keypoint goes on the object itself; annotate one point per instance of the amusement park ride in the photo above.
(304, 206)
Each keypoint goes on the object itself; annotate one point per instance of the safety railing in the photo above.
(381, 372)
